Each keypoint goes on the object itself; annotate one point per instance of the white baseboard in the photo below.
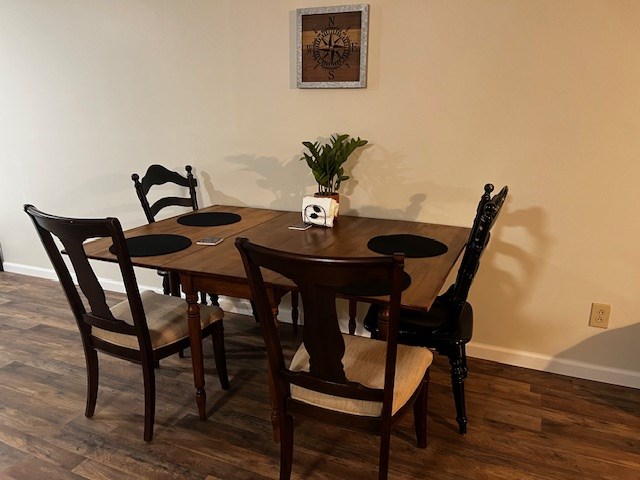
(231, 305)
(519, 358)
(562, 366)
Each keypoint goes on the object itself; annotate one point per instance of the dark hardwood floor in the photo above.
(523, 424)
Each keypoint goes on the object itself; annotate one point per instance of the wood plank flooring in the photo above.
(523, 424)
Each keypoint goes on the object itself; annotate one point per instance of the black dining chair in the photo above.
(143, 328)
(448, 326)
(160, 175)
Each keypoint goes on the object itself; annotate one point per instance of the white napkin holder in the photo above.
(320, 211)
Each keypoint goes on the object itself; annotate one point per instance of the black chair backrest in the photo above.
(159, 175)
(486, 215)
(318, 279)
(72, 233)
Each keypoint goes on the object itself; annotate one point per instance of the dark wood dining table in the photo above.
(219, 268)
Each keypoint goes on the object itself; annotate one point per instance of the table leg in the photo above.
(195, 340)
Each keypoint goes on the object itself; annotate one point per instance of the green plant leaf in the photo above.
(325, 161)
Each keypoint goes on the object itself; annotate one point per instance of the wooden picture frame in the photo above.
(331, 45)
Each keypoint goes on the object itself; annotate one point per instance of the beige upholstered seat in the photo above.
(166, 320)
(364, 361)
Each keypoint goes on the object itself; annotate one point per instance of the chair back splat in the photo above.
(72, 233)
(350, 381)
(486, 215)
(159, 175)
(143, 328)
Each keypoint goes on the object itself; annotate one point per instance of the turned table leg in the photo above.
(195, 339)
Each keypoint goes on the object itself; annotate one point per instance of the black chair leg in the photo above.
(214, 299)
(253, 311)
(174, 284)
(294, 311)
(166, 287)
(456, 361)
(203, 298)
(465, 369)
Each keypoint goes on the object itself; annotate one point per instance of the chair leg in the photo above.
(286, 446)
(166, 287)
(465, 369)
(91, 357)
(203, 298)
(215, 299)
(353, 310)
(420, 413)
(457, 385)
(174, 284)
(294, 311)
(385, 445)
(149, 377)
(253, 311)
(219, 354)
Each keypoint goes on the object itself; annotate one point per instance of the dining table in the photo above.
(219, 268)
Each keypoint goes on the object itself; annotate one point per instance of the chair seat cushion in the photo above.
(428, 328)
(364, 362)
(166, 320)
(437, 323)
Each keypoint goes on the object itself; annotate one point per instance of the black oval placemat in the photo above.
(374, 289)
(209, 219)
(412, 246)
(150, 245)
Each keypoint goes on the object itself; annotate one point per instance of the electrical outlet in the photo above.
(600, 315)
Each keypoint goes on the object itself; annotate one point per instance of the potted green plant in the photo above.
(325, 162)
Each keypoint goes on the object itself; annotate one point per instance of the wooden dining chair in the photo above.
(160, 175)
(448, 326)
(144, 328)
(350, 381)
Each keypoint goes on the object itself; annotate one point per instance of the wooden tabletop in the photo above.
(348, 238)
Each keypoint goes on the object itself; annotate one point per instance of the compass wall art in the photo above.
(332, 46)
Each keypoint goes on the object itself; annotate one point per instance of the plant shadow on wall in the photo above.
(382, 176)
(269, 174)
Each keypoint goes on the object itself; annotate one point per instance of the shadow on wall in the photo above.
(620, 341)
(513, 288)
(382, 175)
(115, 191)
(267, 173)
(207, 185)
(507, 278)
(388, 176)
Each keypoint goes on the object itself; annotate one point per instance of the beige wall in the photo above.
(541, 95)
